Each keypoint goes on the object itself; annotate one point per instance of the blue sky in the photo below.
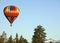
(32, 13)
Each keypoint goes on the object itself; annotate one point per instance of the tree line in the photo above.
(38, 37)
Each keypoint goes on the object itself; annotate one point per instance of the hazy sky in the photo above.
(32, 13)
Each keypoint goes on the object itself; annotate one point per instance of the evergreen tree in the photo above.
(1, 40)
(25, 41)
(10, 39)
(39, 35)
(3, 37)
(21, 40)
(50, 41)
(16, 37)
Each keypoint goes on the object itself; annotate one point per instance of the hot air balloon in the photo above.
(11, 13)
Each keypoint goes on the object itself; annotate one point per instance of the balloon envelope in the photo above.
(11, 13)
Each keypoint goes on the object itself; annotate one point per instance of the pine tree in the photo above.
(21, 40)
(25, 41)
(50, 41)
(3, 37)
(39, 35)
(1, 40)
(17, 38)
(10, 39)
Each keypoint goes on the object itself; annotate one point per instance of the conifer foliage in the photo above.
(39, 35)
